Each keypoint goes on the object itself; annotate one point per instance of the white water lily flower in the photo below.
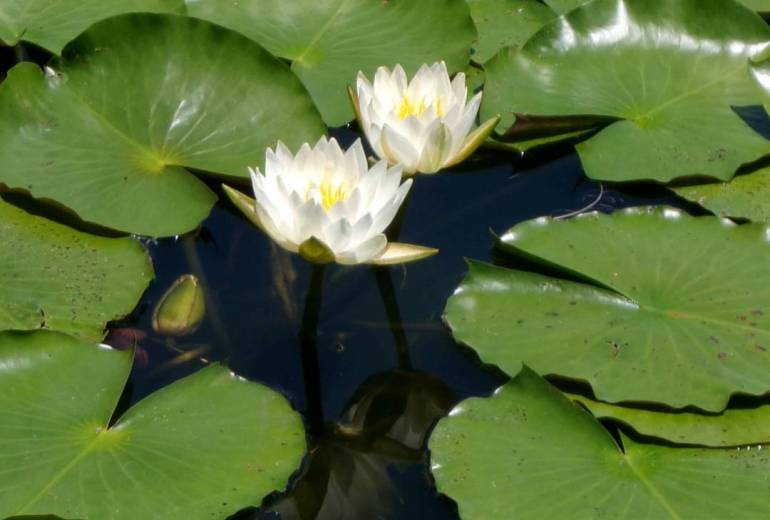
(424, 124)
(327, 205)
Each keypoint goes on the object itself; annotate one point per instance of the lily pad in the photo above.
(531, 451)
(733, 427)
(671, 70)
(203, 447)
(54, 277)
(761, 6)
(674, 309)
(474, 77)
(564, 6)
(51, 24)
(501, 23)
(530, 146)
(135, 101)
(329, 41)
(745, 196)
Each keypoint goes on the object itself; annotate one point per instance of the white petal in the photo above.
(385, 89)
(334, 152)
(386, 190)
(256, 178)
(310, 221)
(364, 90)
(459, 87)
(356, 158)
(272, 164)
(275, 231)
(454, 116)
(397, 149)
(366, 251)
(353, 206)
(337, 235)
(283, 154)
(366, 189)
(362, 230)
(463, 128)
(414, 129)
(386, 215)
(443, 87)
(373, 134)
(436, 148)
(302, 159)
(399, 79)
(422, 84)
(398, 169)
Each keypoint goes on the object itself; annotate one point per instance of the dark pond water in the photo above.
(388, 367)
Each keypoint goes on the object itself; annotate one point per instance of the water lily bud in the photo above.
(181, 310)
(425, 124)
(328, 205)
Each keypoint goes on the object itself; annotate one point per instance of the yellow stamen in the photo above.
(439, 108)
(331, 194)
(408, 108)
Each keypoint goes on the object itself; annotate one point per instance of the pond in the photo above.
(451, 259)
(387, 381)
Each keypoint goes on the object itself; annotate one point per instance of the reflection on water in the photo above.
(352, 469)
(387, 367)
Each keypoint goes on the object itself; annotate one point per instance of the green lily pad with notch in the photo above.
(329, 41)
(671, 70)
(203, 447)
(529, 452)
(672, 309)
(746, 196)
(501, 23)
(54, 277)
(738, 427)
(136, 102)
(530, 146)
(52, 23)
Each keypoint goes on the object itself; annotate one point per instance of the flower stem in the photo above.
(388, 295)
(388, 292)
(309, 351)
